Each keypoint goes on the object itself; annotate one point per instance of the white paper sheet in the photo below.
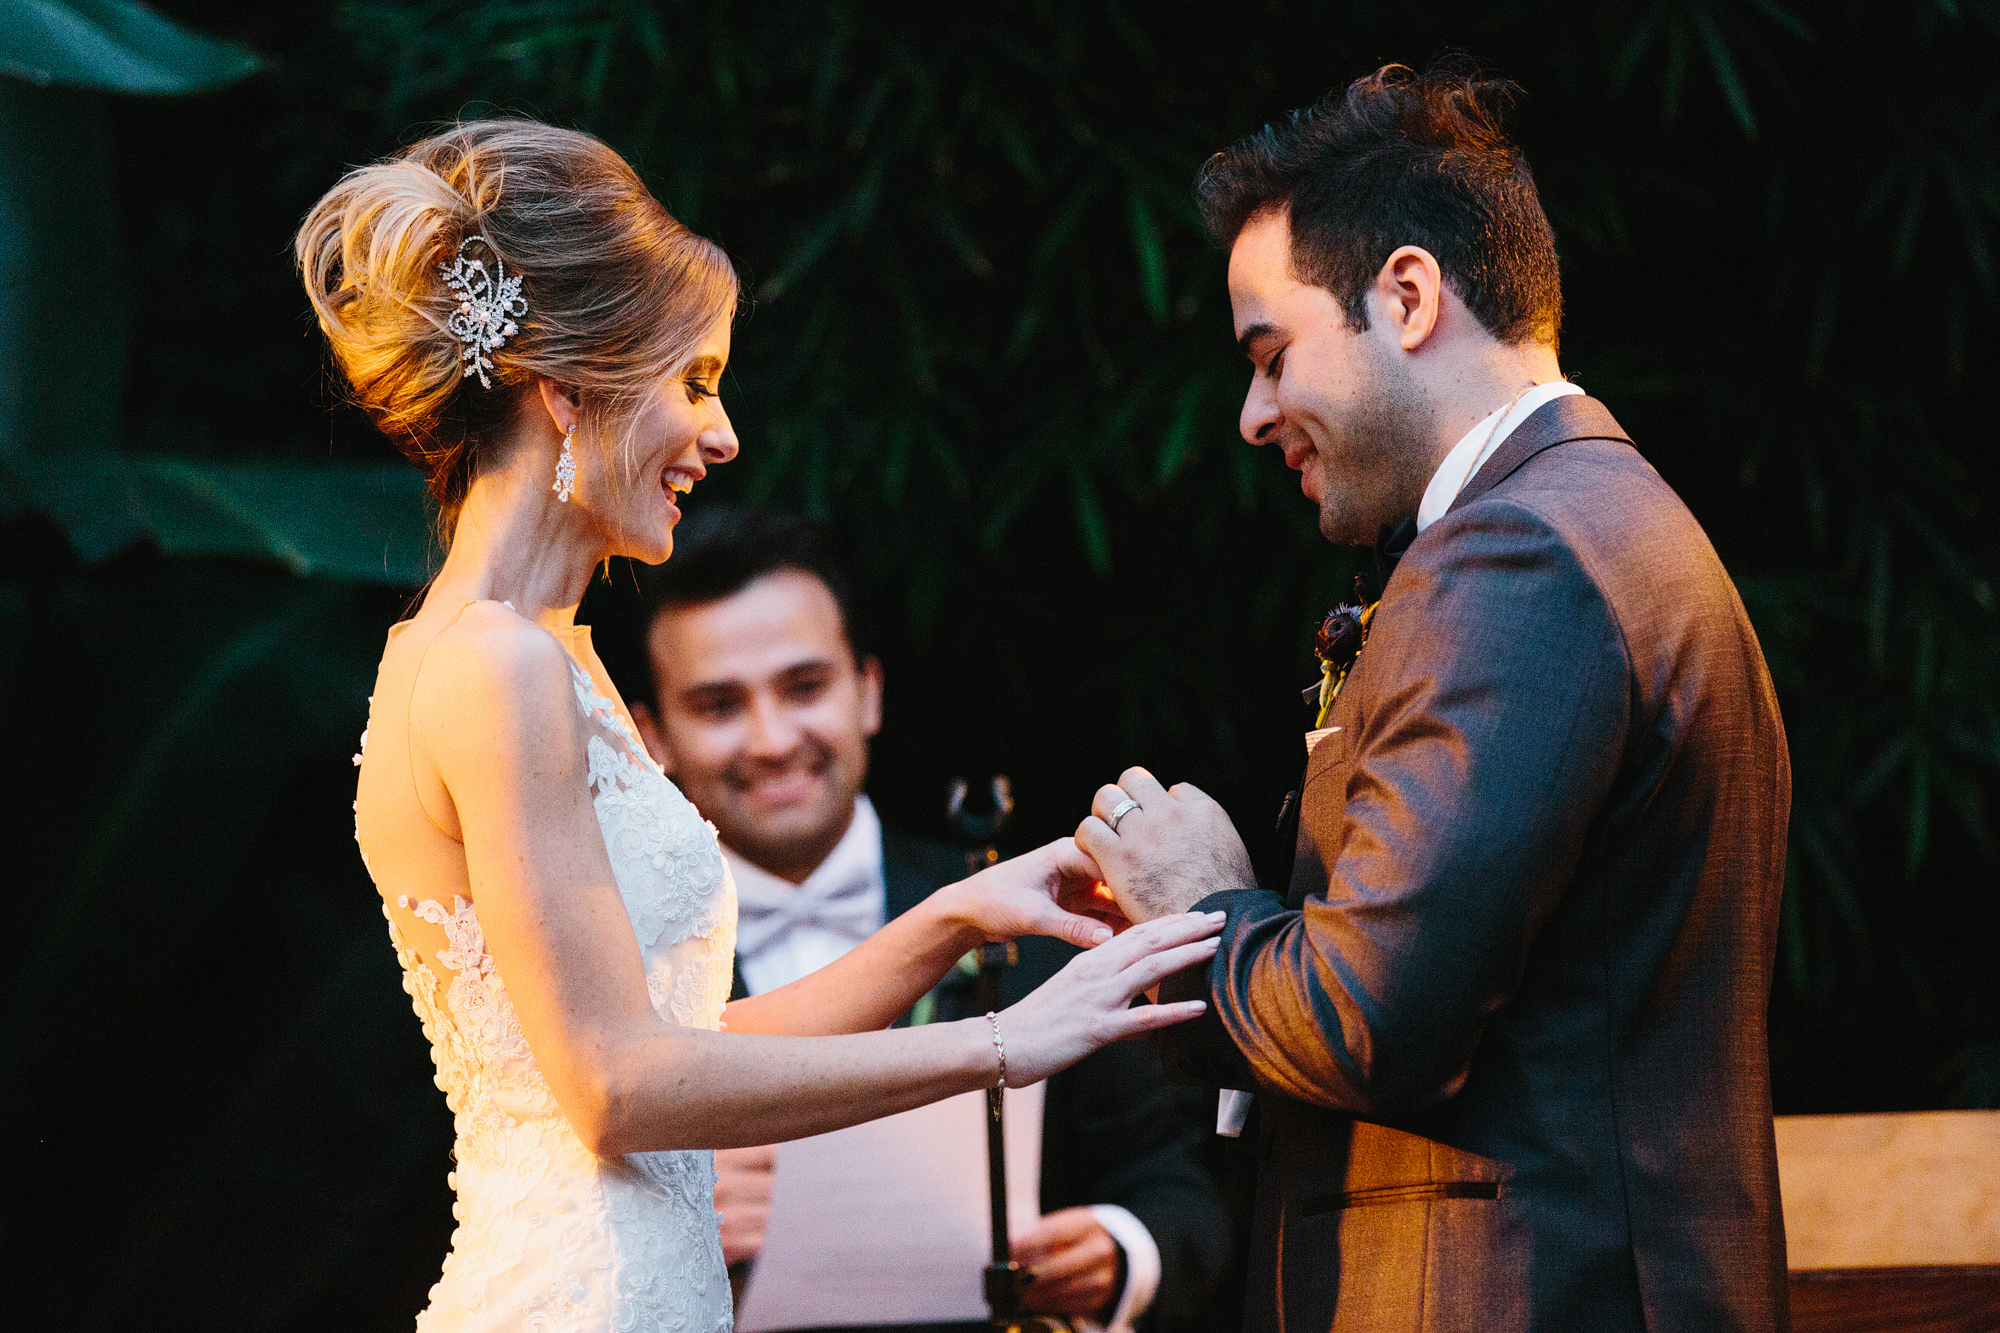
(888, 1222)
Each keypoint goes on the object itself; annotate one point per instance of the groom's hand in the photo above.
(1170, 850)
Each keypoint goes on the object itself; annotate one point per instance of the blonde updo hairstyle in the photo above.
(619, 294)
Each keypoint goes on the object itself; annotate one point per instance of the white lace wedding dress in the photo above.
(551, 1237)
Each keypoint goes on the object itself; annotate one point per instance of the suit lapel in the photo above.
(1571, 417)
(912, 871)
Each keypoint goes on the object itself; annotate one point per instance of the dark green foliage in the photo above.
(116, 45)
(986, 340)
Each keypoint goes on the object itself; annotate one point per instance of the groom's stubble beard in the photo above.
(1387, 445)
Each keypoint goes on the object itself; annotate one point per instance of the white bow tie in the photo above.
(842, 903)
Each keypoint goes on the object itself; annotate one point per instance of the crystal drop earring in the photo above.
(566, 468)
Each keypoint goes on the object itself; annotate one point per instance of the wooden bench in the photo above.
(1892, 1222)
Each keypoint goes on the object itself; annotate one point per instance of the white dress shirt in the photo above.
(1477, 445)
(785, 930)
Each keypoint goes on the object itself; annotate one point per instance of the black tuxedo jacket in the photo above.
(1507, 1022)
(1113, 1130)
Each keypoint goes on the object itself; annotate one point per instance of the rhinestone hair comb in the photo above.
(487, 307)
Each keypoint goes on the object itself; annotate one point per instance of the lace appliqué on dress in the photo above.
(668, 869)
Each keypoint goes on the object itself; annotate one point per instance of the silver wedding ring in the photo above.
(1125, 807)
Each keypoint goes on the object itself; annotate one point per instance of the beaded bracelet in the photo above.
(998, 1047)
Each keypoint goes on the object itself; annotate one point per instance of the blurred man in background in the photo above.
(760, 706)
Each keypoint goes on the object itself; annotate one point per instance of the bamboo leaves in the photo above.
(1151, 253)
(1720, 34)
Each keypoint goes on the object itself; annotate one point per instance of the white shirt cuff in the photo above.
(1142, 1264)
(1232, 1109)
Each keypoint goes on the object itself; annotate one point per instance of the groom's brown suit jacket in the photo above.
(1507, 1026)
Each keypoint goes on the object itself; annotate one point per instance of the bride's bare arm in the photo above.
(872, 984)
(508, 742)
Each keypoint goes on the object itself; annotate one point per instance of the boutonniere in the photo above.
(1338, 646)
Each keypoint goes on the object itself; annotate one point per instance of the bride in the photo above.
(534, 331)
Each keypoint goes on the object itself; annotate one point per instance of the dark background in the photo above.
(986, 341)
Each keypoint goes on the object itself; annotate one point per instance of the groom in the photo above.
(1505, 1023)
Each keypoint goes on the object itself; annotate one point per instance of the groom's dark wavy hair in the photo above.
(1401, 158)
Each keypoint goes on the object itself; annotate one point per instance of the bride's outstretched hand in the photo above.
(1088, 1004)
(1052, 890)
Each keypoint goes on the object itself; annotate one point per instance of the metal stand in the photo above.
(1004, 1278)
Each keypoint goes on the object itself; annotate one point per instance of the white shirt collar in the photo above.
(1478, 444)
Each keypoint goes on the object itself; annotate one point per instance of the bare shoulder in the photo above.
(492, 682)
